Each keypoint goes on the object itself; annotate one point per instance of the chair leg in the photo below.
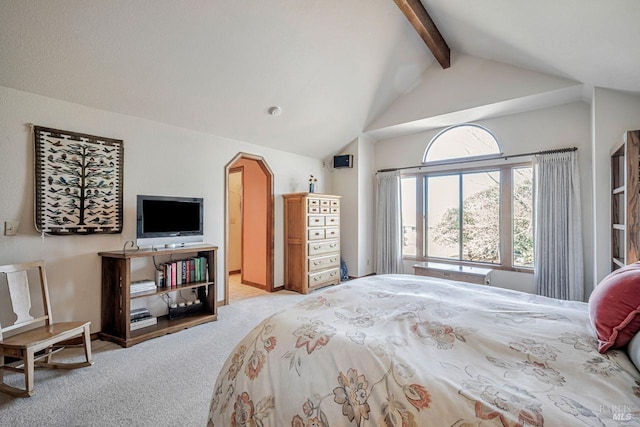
(87, 344)
(48, 351)
(28, 371)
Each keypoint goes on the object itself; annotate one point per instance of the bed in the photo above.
(402, 350)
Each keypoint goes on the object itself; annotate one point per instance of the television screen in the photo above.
(170, 216)
(169, 220)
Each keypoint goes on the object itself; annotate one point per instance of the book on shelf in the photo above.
(143, 323)
(160, 277)
(192, 269)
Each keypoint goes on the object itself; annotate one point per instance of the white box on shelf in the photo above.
(144, 323)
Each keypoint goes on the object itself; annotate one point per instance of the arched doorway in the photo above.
(249, 201)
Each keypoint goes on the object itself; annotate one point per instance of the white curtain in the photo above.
(558, 271)
(389, 224)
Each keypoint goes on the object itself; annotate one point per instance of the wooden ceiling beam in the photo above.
(426, 28)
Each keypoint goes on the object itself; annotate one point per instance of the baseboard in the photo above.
(235, 272)
(255, 285)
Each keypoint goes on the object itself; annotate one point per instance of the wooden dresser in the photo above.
(312, 241)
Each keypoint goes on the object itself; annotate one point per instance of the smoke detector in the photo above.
(275, 111)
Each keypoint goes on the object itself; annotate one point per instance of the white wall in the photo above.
(356, 185)
(345, 184)
(558, 127)
(613, 113)
(158, 159)
(470, 82)
(366, 207)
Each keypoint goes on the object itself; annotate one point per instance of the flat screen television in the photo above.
(169, 221)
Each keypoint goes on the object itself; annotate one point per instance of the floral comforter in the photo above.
(412, 351)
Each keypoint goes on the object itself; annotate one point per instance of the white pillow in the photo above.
(633, 349)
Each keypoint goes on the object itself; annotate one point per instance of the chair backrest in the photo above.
(20, 296)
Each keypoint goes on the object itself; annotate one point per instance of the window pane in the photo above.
(523, 217)
(481, 217)
(443, 234)
(408, 215)
(461, 141)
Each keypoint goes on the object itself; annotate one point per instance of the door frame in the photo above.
(240, 170)
(270, 220)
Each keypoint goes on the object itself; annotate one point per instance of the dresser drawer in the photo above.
(325, 209)
(324, 277)
(315, 234)
(315, 221)
(325, 202)
(332, 233)
(313, 209)
(319, 248)
(334, 210)
(322, 263)
(332, 221)
(313, 202)
(335, 203)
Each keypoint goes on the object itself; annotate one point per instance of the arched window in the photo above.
(462, 141)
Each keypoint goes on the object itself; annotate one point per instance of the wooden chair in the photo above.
(35, 346)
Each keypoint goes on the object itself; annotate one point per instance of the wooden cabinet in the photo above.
(312, 241)
(460, 273)
(625, 223)
(116, 295)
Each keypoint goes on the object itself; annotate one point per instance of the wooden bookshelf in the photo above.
(116, 295)
(625, 186)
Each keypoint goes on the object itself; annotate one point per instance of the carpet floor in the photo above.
(166, 381)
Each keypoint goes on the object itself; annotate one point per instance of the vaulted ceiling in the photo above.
(333, 66)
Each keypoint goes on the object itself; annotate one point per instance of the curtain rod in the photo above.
(503, 157)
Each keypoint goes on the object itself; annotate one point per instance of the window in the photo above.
(472, 214)
(522, 202)
(462, 141)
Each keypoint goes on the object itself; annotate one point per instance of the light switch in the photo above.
(10, 228)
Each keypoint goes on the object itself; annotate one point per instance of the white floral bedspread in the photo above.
(412, 351)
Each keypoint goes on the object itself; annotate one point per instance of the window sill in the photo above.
(528, 270)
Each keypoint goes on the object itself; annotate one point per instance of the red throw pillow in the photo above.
(614, 307)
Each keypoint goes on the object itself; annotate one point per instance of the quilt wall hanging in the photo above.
(78, 183)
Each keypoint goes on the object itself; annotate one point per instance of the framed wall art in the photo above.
(78, 183)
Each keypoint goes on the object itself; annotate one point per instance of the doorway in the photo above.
(248, 228)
